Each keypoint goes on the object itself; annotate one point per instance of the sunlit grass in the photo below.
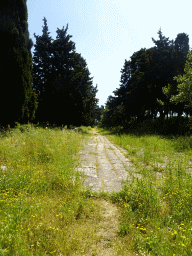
(42, 200)
(156, 211)
(45, 210)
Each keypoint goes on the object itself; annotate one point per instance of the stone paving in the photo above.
(104, 165)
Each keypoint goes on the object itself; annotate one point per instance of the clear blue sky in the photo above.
(106, 32)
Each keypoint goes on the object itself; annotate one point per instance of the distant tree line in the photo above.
(149, 83)
(54, 86)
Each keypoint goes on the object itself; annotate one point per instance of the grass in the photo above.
(45, 209)
(43, 205)
(156, 211)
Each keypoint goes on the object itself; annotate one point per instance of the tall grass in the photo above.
(156, 210)
(42, 200)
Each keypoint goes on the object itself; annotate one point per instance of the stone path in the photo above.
(104, 165)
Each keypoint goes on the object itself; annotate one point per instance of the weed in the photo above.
(156, 210)
(42, 199)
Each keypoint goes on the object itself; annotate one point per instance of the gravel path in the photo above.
(104, 165)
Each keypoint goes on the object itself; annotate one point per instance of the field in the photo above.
(156, 209)
(42, 201)
(45, 209)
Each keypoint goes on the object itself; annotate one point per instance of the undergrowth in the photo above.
(42, 200)
(156, 209)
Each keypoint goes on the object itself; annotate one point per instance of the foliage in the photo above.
(62, 75)
(156, 209)
(99, 112)
(17, 91)
(184, 89)
(42, 197)
(143, 77)
(182, 43)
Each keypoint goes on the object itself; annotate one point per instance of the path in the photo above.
(104, 165)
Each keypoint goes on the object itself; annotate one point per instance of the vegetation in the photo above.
(143, 77)
(43, 202)
(62, 81)
(44, 207)
(57, 78)
(43, 87)
(156, 209)
(171, 127)
(18, 100)
(184, 85)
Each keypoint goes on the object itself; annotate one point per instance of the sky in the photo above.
(106, 32)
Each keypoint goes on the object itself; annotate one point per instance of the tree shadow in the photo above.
(169, 128)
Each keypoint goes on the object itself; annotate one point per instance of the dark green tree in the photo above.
(143, 77)
(106, 118)
(43, 70)
(18, 99)
(113, 114)
(99, 112)
(134, 94)
(62, 80)
(184, 90)
(182, 43)
(176, 62)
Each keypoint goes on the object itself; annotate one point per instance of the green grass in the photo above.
(42, 201)
(45, 210)
(156, 212)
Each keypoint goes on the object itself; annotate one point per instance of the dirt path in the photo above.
(104, 165)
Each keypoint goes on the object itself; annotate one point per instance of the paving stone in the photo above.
(104, 165)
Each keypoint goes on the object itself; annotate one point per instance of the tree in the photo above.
(63, 81)
(16, 64)
(163, 43)
(78, 95)
(182, 43)
(135, 94)
(61, 89)
(178, 57)
(107, 114)
(171, 56)
(113, 114)
(144, 76)
(184, 88)
(42, 71)
(99, 112)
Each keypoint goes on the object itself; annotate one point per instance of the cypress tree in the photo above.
(18, 100)
(42, 71)
(62, 80)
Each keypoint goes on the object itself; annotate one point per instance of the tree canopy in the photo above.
(141, 93)
(66, 94)
(18, 99)
(184, 88)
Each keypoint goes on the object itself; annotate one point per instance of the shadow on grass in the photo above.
(7, 130)
(169, 128)
(174, 129)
